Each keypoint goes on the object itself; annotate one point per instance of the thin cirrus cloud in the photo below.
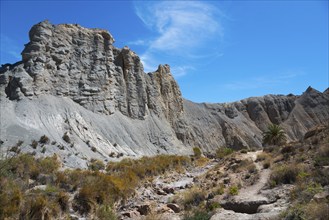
(265, 81)
(183, 30)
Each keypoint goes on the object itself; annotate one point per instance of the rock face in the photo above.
(240, 124)
(83, 65)
(73, 80)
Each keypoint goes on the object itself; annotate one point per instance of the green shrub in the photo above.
(197, 215)
(48, 165)
(285, 174)
(233, 190)
(223, 152)
(287, 149)
(84, 201)
(192, 197)
(201, 161)
(39, 207)
(24, 166)
(96, 165)
(322, 156)
(44, 139)
(304, 191)
(34, 144)
(105, 212)
(197, 152)
(15, 149)
(212, 206)
(252, 168)
(321, 161)
(66, 138)
(245, 165)
(219, 190)
(63, 201)
(149, 166)
(310, 210)
(11, 199)
(262, 156)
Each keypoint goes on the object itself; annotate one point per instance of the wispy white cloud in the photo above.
(185, 30)
(265, 81)
(139, 42)
(179, 71)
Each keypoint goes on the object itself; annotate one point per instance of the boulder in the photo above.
(144, 209)
(174, 207)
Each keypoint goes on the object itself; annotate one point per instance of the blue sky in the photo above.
(219, 51)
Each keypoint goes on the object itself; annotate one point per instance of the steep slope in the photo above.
(74, 84)
(73, 80)
(240, 124)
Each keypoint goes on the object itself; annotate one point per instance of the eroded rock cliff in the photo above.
(73, 81)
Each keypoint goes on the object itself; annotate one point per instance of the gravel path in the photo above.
(251, 193)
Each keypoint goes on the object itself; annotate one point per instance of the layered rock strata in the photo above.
(74, 81)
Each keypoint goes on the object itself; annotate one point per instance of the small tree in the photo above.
(274, 135)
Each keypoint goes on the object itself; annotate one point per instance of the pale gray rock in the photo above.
(74, 80)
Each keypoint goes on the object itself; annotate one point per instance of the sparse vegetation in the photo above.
(96, 193)
(311, 210)
(104, 212)
(96, 165)
(44, 139)
(197, 214)
(191, 198)
(233, 190)
(201, 161)
(66, 137)
(223, 152)
(285, 174)
(15, 149)
(61, 147)
(34, 144)
(197, 152)
(298, 163)
(262, 156)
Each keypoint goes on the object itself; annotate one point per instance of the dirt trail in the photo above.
(254, 202)
(252, 192)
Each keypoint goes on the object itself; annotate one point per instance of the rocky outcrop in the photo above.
(241, 124)
(83, 65)
(73, 80)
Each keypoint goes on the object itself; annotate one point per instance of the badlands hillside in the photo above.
(86, 134)
(89, 99)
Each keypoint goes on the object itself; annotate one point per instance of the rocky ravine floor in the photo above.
(253, 201)
(155, 197)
